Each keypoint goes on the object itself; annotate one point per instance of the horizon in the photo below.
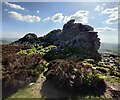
(20, 18)
(14, 39)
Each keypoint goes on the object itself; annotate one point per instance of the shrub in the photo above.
(19, 70)
(71, 50)
(72, 76)
(62, 54)
(38, 50)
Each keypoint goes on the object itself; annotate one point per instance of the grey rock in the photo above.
(79, 35)
(28, 39)
(73, 35)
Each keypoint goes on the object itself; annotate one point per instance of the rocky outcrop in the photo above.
(79, 35)
(54, 37)
(72, 35)
(75, 35)
(74, 29)
(87, 41)
(28, 39)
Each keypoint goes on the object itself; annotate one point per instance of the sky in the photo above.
(20, 18)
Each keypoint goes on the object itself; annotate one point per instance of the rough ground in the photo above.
(44, 89)
(40, 89)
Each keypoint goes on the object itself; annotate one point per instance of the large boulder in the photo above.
(78, 27)
(79, 35)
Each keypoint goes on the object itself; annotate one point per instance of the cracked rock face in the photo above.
(79, 35)
(87, 41)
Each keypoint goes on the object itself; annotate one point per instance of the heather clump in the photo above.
(77, 77)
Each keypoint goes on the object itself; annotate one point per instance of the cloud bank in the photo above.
(24, 18)
(15, 6)
(113, 15)
(80, 16)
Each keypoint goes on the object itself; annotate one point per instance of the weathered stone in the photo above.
(79, 35)
(72, 35)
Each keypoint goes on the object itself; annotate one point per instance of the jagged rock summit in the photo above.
(72, 35)
(79, 35)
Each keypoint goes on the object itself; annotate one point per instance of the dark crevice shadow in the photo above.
(49, 90)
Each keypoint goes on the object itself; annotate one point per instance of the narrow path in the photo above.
(31, 91)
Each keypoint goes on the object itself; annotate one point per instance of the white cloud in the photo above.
(57, 17)
(112, 20)
(109, 38)
(38, 11)
(113, 15)
(15, 6)
(107, 35)
(104, 4)
(80, 16)
(46, 19)
(110, 10)
(105, 29)
(99, 8)
(25, 18)
(66, 18)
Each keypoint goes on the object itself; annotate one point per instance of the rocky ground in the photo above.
(110, 59)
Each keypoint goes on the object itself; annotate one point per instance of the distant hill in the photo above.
(7, 40)
(106, 47)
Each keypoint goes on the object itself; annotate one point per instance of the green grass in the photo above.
(63, 54)
(38, 50)
(24, 93)
(29, 91)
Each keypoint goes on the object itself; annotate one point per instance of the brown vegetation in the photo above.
(75, 77)
(18, 70)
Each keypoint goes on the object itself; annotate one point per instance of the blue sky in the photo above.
(19, 18)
